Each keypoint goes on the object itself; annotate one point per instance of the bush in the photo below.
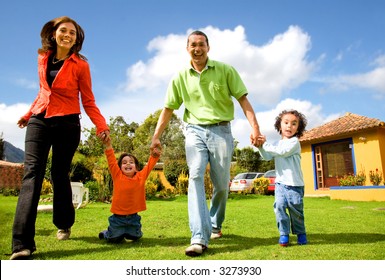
(260, 185)
(151, 189)
(46, 187)
(182, 183)
(173, 168)
(208, 185)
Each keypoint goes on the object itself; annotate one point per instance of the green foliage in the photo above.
(81, 168)
(247, 159)
(260, 185)
(173, 168)
(208, 185)
(353, 180)
(182, 183)
(94, 189)
(151, 189)
(121, 134)
(46, 187)
(172, 139)
(155, 179)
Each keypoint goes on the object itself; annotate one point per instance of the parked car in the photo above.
(243, 181)
(271, 176)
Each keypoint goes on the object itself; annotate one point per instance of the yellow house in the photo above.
(351, 144)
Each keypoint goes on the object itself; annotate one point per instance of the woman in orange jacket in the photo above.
(53, 122)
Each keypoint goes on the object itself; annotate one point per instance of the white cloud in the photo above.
(313, 112)
(267, 70)
(9, 116)
(373, 80)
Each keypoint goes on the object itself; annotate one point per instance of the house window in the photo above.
(333, 160)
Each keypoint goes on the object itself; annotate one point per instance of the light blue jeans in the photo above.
(211, 144)
(289, 198)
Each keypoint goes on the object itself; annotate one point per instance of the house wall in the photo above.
(369, 154)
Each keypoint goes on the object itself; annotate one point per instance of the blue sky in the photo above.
(321, 57)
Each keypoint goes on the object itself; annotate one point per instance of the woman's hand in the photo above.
(22, 122)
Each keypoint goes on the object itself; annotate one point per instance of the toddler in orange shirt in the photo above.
(129, 194)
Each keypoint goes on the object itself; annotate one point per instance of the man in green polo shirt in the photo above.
(206, 88)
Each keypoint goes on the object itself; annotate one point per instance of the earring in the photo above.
(53, 39)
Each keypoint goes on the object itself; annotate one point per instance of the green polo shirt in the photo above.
(207, 97)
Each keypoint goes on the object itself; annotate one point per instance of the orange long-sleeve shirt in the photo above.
(62, 98)
(129, 194)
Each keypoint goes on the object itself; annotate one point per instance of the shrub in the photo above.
(46, 187)
(260, 185)
(182, 183)
(173, 168)
(208, 185)
(151, 189)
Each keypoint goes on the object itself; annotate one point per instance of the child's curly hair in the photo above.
(302, 122)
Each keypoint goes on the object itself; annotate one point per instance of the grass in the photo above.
(337, 230)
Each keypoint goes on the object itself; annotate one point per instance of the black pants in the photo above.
(63, 135)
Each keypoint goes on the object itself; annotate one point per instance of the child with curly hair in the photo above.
(289, 183)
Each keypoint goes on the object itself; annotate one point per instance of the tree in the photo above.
(121, 134)
(248, 159)
(172, 139)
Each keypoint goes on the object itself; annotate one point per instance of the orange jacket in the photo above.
(63, 97)
(129, 194)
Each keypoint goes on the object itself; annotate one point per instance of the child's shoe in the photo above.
(283, 240)
(302, 240)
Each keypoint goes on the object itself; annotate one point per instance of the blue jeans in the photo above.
(205, 144)
(121, 227)
(63, 135)
(289, 198)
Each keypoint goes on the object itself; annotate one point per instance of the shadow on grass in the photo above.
(227, 244)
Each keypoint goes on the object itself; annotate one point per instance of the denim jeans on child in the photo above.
(205, 144)
(290, 198)
(123, 226)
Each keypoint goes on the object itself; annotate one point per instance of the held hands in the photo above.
(105, 138)
(155, 148)
(256, 138)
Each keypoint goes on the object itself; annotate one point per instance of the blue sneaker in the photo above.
(302, 240)
(283, 240)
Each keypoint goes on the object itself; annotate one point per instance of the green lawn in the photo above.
(337, 230)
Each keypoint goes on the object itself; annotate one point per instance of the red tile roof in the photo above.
(346, 124)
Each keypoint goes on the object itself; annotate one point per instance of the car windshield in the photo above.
(270, 173)
(245, 176)
(240, 176)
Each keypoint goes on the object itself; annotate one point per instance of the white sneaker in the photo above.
(216, 235)
(21, 255)
(63, 234)
(195, 250)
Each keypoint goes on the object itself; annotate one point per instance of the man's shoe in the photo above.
(21, 255)
(63, 234)
(302, 240)
(283, 240)
(216, 235)
(195, 250)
